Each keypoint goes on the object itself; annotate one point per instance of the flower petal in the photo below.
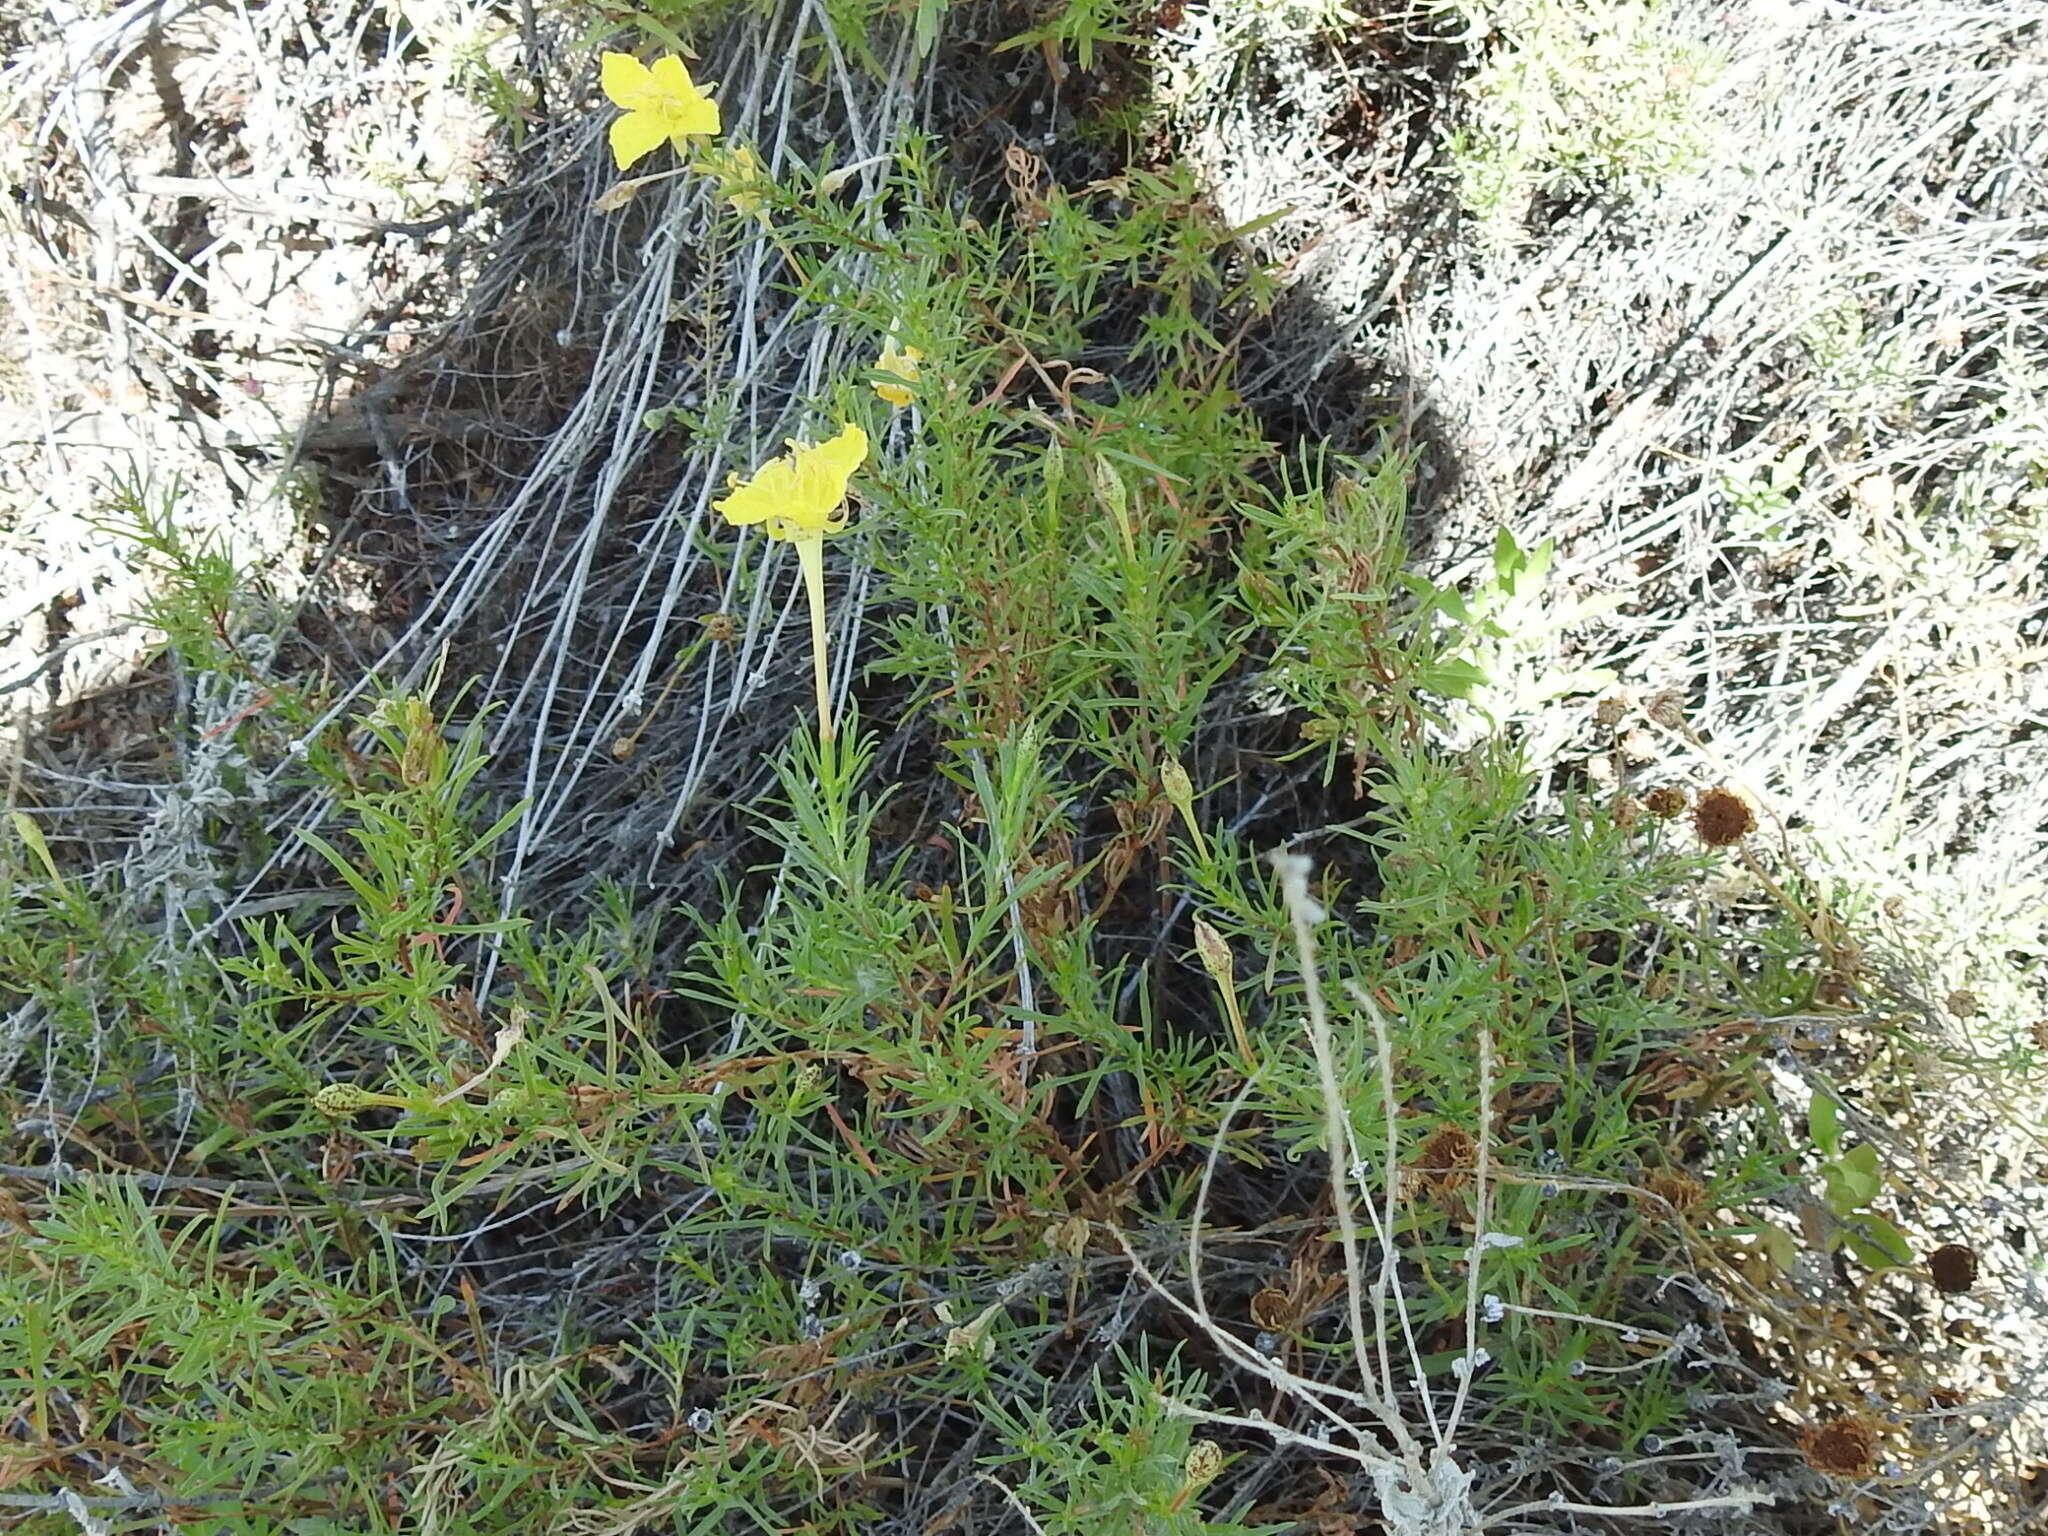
(671, 76)
(843, 454)
(903, 364)
(627, 82)
(682, 105)
(801, 494)
(697, 115)
(738, 170)
(822, 473)
(766, 495)
(635, 135)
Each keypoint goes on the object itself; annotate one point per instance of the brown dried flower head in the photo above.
(1447, 1157)
(1963, 1003)
(1672, 1190)
(1272, 1309)
(1667, 707)
(1953, 1267)
(1667, 803)
(1723, 818)
(1841, 1447)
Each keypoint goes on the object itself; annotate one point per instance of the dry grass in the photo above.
(1850, 284)
(218, 231)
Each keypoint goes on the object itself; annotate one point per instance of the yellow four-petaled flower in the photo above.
(802, 494)
(661, 102)
(801, 497)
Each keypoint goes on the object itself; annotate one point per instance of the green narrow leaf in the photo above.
(925, 28)
(1823, 1124)
(1884, 1240)
(1261, 222)
(492, 833)
(31, 836)
(358, 883)
(1862, 1163)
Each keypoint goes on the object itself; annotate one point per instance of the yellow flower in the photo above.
(738, 171)
(802, 494)
(902, 362)
(802, 497)
(660, 102)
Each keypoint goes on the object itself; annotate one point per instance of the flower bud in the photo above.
(1215, 952)
(1180, 790)
(1205, 1461)
(341, 1100)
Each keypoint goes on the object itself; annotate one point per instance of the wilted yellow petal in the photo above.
(903, 364)
(617, 195)
(833, 181)
(973, 1339)
(738, 170)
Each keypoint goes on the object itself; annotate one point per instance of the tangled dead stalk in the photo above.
(1422, 1488)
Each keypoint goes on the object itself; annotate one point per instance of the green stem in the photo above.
(810, 553)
